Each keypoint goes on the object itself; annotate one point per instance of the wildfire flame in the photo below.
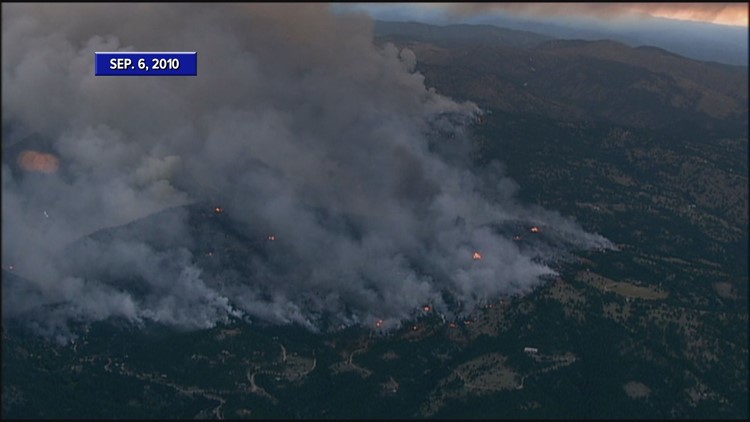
(218, 210)
(426, 308)
(516, 237)
(379, 323)
(476, 256)
(30, 160)
(535, 229)
(271, 237)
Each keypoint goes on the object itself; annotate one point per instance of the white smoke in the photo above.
(302, 128)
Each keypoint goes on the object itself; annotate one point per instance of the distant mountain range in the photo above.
(459, 35)
(696, 40)
(519, 71)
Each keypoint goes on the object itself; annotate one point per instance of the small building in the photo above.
(531, 350)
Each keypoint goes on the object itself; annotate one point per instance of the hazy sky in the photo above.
(718, 13)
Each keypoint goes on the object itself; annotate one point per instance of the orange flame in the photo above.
(476, 256)
(218, 210)
(426, 308)
(379, 323)
(535, 229)
(271, 237)
(36, 161)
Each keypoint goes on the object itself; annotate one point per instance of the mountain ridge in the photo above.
(579, 79)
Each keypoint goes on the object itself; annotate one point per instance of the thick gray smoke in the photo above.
(296, 123)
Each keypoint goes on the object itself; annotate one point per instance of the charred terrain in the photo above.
(640, 145)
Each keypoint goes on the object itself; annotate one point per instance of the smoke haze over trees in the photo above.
(296, 124)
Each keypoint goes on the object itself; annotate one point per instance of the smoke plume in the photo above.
(296, 125)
